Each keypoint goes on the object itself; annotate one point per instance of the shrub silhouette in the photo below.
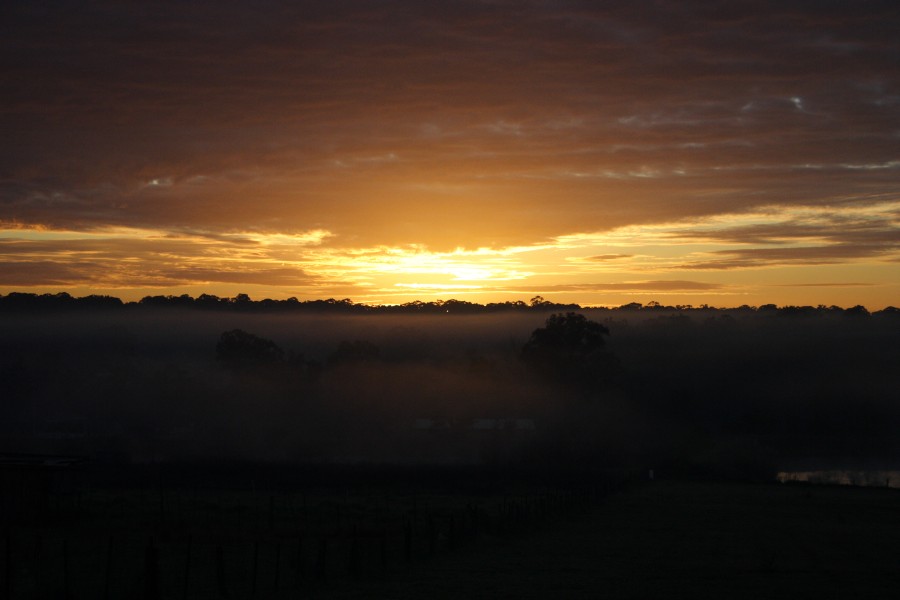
(238, 350)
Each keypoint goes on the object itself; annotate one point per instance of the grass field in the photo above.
(683, 540)
(257, 531)
(465, 534)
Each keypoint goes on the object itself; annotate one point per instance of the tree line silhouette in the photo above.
(63, 301)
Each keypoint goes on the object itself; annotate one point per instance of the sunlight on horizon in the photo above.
(744, 256)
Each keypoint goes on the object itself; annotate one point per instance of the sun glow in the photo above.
(771, 248)
(460, 265)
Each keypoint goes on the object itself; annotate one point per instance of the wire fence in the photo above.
(182, 543)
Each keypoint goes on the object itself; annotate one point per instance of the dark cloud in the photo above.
(605, 257)
(815, 238)
(112, 247)
(835, 227)
(107, 274)
(39, 272)
(274, 116)
(827, 284)
(241, 274)
(802, 255)
(136, 262)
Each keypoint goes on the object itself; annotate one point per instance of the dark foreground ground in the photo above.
(681, 540)
(454, 533)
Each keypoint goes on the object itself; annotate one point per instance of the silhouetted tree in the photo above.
(857, 311)
(238, 349)
(539, 302)
(888, 311)
(183, 301)
(631, 306)
(209, 301)
(98, 302)
(570, 349)
(242, 302)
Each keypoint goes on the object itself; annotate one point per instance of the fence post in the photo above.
(38, 553)
(67, 592)
(108, 574)
(255, 569)
(8, 566)
(220, 572)
(322, 561)
(277, 563)
(451, 536)
(407, 541)
(162, 501)
(305, 511)
(432, 535)
(299, 580)
(384, 559)
(355, 560)
(187, 568)
(151, 568)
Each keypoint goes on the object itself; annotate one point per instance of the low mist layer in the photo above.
(743, 392)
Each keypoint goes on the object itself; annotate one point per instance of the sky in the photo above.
(721, 153)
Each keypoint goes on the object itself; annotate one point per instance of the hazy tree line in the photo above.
(22, 301)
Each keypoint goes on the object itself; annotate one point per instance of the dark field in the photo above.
(385, 533)
(684, 540)
(266, 531)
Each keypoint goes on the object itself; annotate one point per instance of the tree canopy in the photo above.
(238, 349)
(570, 348)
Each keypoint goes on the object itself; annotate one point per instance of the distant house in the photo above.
(73, 429)
(505, 424)
(40, 462)
(431, 425)
(476, 440)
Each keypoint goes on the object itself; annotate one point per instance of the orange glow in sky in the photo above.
(600, 154)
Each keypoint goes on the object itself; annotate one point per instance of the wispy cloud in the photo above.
(633, 286)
